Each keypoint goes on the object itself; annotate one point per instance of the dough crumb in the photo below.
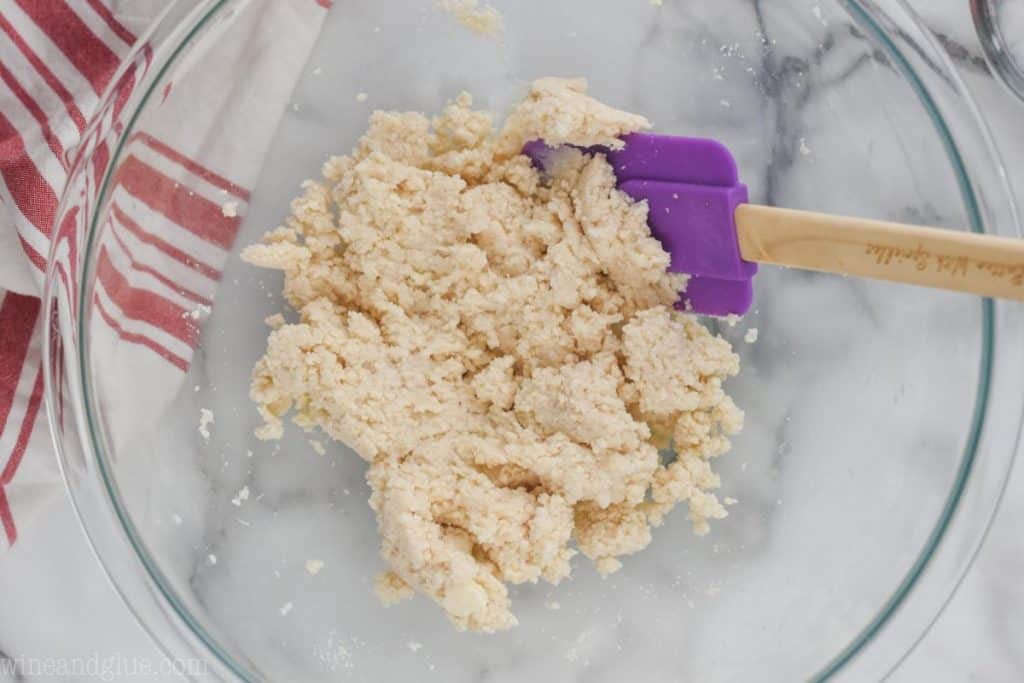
(608, 566)
(391, 589)
(211, 558)
(484, 21)
(362, 97)
(286, 608)
(500, 346)
(274, 321)
(317, 447)
(200, 311)
(751, 336)
(552, 605)
(414, 646)
(314, 566)
(229, 209)
(205, 420)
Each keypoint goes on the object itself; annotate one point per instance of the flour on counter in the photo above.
(333, 653)
(240, 497)
(499, 345)
(205, 420)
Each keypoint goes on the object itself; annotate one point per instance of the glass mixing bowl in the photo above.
(881, 419)
(1000, 27)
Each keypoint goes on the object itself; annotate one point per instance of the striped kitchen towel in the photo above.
(68, 70)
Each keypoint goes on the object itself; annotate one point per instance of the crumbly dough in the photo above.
(484, 21)
(500, 347)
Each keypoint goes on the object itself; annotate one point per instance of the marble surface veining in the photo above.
(56, 603)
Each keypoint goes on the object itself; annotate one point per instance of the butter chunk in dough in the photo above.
(499, 346)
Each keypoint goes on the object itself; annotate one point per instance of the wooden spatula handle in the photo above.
(947, 259)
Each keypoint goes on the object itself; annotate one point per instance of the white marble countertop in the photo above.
(56, 603)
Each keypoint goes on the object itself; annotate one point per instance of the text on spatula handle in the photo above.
(944, 263)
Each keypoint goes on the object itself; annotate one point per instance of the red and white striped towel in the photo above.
(167, 236)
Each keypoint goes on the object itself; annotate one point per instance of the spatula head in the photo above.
(692, 189)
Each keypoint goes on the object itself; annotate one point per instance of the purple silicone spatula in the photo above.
(698, 209)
